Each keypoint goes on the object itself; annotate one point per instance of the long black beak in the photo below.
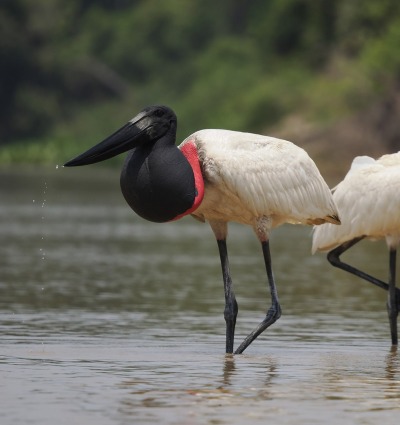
(131, 135)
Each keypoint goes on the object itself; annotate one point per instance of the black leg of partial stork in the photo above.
(393, 302)
(334, 258)
(231, 306)
(274, 311)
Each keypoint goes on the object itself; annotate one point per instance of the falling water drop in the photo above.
(43, 218)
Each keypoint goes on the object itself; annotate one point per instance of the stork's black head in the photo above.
(157, 180)
(148, 126)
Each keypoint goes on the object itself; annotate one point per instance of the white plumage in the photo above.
(368, 200)
(369, 205)
(262, 182)
(249, 176)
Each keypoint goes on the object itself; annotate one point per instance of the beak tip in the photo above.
(74, 162)
(82, 159)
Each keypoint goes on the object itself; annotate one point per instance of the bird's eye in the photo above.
(159, 112)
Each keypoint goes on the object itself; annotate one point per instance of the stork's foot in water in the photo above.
(273, 314)
(230, 314)
(393, 312)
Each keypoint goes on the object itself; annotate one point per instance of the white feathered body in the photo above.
(249, 176)
(368, 200)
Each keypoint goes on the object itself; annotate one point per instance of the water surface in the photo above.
(108, 319)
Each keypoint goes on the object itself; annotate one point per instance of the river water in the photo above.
(108, 319)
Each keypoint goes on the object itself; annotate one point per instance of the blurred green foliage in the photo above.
(71, 72)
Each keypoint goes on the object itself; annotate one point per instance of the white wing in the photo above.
(368, 201)
(267, 176)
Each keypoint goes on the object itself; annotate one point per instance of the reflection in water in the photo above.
(229, 369)
(266, 372)
(392, 376)
(392, 362)
(122, 321)
(370, 381)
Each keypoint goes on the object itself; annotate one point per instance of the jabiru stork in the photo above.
(217, 176)
(369, 204)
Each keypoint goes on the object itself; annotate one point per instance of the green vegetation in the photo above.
(74, 71)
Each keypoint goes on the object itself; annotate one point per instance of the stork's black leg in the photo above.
(333, 258)
(274, 311)
(231, 306)
(393, 304)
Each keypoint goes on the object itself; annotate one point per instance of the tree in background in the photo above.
(233, 63)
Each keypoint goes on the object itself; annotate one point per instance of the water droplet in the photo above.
(33, 200)
(57, 167)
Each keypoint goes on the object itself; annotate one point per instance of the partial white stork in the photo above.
(217, 176)
(369, 205)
